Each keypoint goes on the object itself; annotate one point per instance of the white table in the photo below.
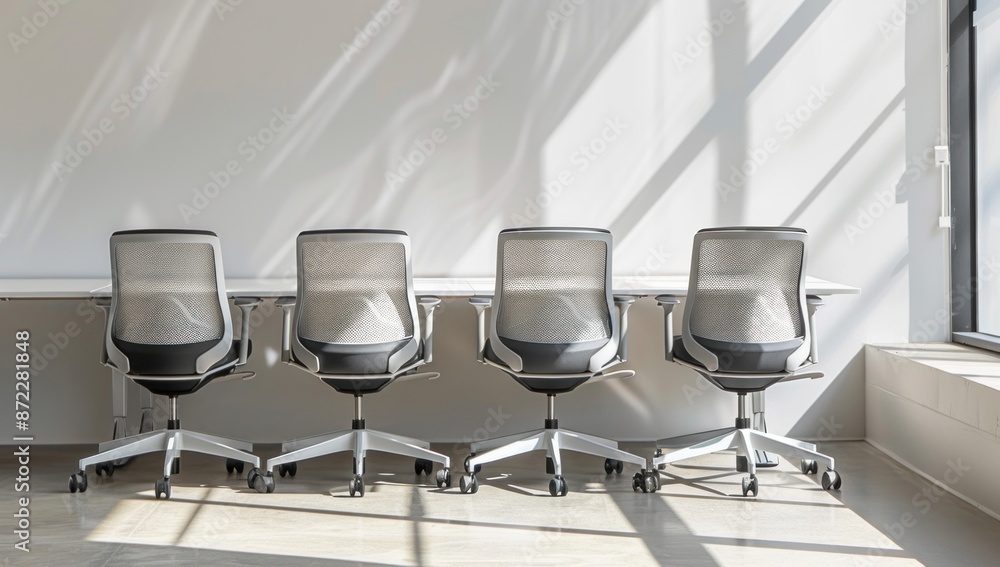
(441, 287)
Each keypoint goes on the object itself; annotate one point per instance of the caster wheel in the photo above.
(557, 486)
(252, 477)
(808, 466)
(750, 485)
(422, 466)
(78, 482)
(468, 484)
(651, 481)
(162, 487)
(619, 467)
(444, 478)
(263, 483)
(233, 465)
(479, 468)
(356, 486)
(609, 466)
(831, 480)
(646, 481)
(288, 469)
(106, 468)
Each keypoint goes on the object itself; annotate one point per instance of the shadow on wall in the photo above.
(463, 83)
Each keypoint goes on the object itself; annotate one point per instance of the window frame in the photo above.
(963, 177)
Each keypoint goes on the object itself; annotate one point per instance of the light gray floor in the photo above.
(880, 517)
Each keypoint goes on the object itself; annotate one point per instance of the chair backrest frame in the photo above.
(345, 236)
(502, 351)
(709, 359)
(167, 236)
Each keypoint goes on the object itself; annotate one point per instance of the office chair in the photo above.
(168, 328)
(552, 328)
(356, 328)
(747, 326)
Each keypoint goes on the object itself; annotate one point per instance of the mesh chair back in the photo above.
(746, 285)
(553, 287)
(166, 291)
(354, 288)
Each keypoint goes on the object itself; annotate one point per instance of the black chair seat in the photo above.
(745, 359)
(171, 385)
(358, 359)
(550, 358)
(163, 360)
(337, 358)
(357, 386)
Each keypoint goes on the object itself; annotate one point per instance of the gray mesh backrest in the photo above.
(353, 292)
(747, 290)
(553, 291)
(166, 294)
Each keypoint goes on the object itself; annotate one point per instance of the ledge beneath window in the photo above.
(978, 340)
(936, 408)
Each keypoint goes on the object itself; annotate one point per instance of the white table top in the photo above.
(54, 288)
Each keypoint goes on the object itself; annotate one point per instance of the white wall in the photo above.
(695, 89)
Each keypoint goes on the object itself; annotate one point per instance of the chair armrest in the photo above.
(235, 376)
(617, 375)
(623, 302)
(482, 305)
(668, 302)
(428, 304)
(813, 302)
(802, 376)
(418, 376)
(246, 305)
(104, 303)
(287, 305)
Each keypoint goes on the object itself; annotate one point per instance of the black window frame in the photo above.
(962, 119)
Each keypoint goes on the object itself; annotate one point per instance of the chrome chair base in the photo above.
(359, 442)
(553, 442)
(173, 442)
(752, 442)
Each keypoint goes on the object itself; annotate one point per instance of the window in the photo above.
(986, 21)
(974, 114)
